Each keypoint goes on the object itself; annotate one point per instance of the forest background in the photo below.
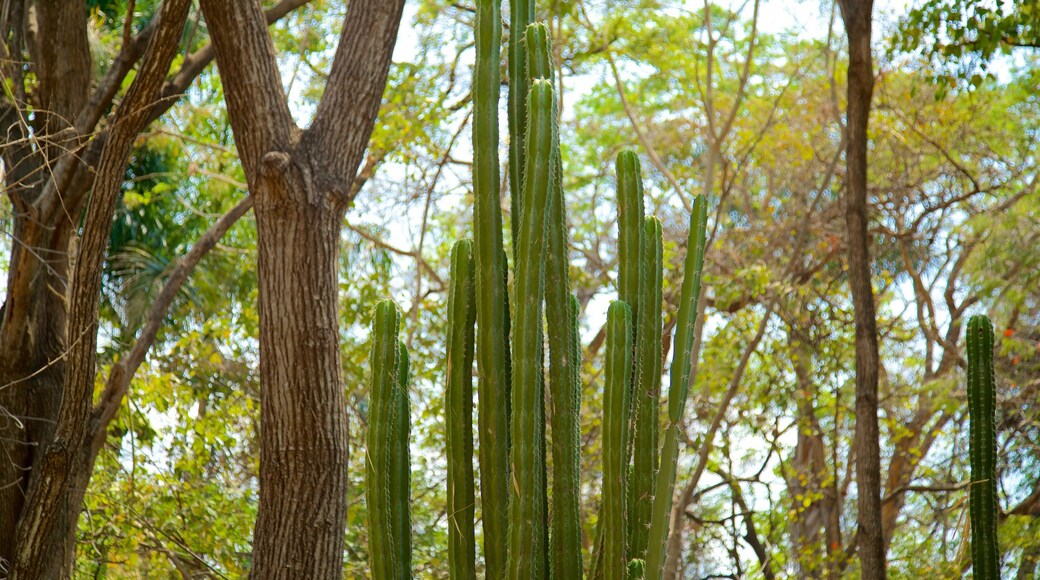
(954, 223)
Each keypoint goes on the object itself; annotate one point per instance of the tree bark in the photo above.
(856, 15)
(47, 518)
(301, 183)
(50, 164)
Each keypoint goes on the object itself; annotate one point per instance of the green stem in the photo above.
(459, 413)
(527, 505)
(679, 387)
(400, 471)
(385, 363)
(492, 300)
(648, 388)
(982, 501)
(615, 445)
(521, 13)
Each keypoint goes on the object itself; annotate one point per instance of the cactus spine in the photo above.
(679, 387)
(459, 413)
(615, 438)
(527, 505)
(387, 445)
(982, 503)
(492, 300)
(648, 387)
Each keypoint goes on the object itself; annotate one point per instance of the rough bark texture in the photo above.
(51, 161)
(301, 184)
(41, 525)
(857, 17)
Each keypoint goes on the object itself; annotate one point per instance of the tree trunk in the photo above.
(47, 186)
(303, 436)
(857, 17)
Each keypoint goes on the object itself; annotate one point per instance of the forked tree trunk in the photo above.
(302, 183)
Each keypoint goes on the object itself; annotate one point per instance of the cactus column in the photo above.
(387, 445)
(645, 404)
(458, 401)
(521, 14)
(527, 526)
(679, 387)
(982, 502)
(561, 309)
(492, 350)
(615, 439)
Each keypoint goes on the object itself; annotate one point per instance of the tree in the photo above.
(68, 141)
(962, 37)
(857, 17)
(302, 184)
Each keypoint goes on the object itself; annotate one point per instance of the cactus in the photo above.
(527, 504)
(635, 569)
(630, 231)
(458, 402)
(521, 13)
(615, 438)
(492, 350)
(982, 502)
(564, 351)
(645, 404)
(400, 470)
(679, 387)
(387, 445)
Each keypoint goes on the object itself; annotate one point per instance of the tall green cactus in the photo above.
(561, 308)
(387, 446)
(615, 439)
(492, 350)
(458, 402)
(982, 502)
(646, 403)
(527, 504)
(521, 13)
(679, 387)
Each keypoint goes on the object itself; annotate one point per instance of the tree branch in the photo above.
(123, 371)
(256, 103)
(346, 114)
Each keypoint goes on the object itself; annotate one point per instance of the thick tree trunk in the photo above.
(857, 17)
(46, 180)
(303, 438)
(302, 183)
